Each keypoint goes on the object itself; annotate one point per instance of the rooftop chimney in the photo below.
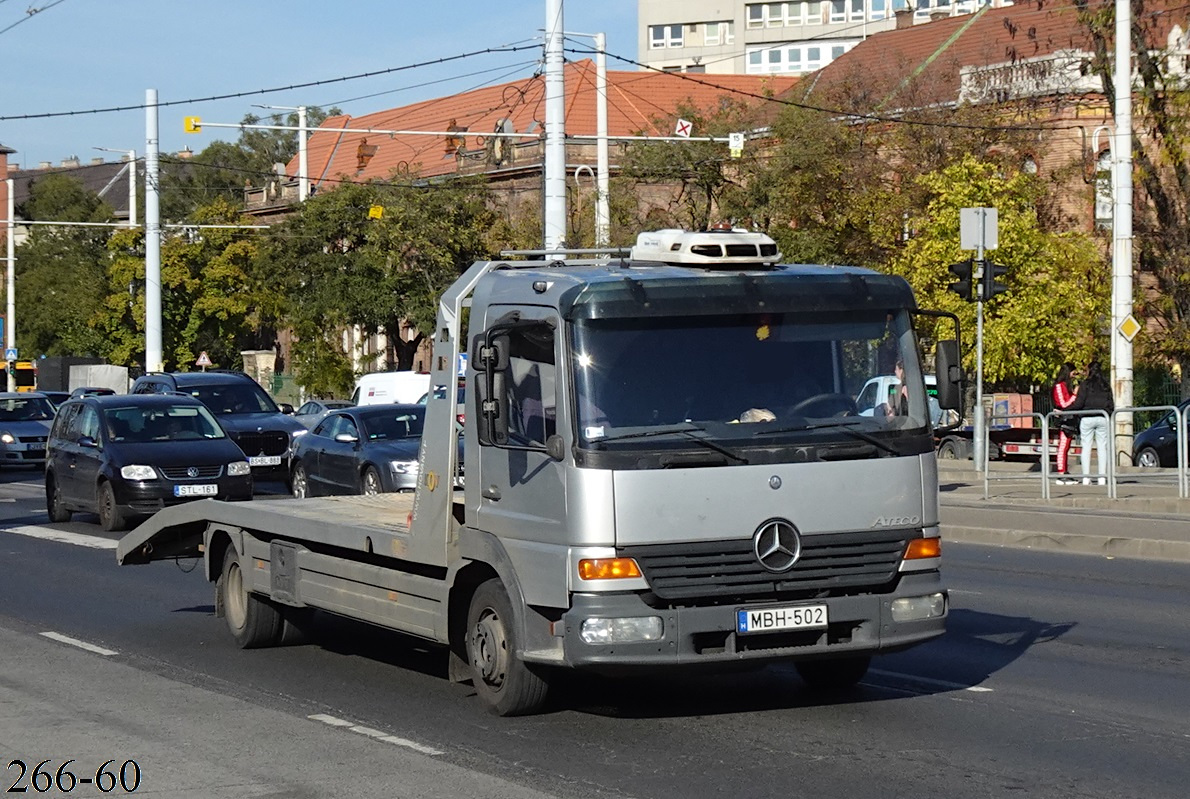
(904, 18)
(70, 162)
(96, 161)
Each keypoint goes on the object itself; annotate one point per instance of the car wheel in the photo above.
(1147, 458)
(301, 486)
(370, 483)
(53, 501)
(110, 516)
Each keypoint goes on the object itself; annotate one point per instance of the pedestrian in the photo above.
(1063, 396)
(1094, 394)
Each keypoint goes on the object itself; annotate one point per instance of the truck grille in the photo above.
(721, 570)
(270, 443)
(180, 472)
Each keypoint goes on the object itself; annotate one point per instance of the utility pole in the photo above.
(602, 159)
(10, 310)
(153, 350)
(1121, 151)
(303, 157)
(554, 177)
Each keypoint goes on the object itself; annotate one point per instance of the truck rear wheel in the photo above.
(253, 620)
(948, 450)
(502, 680)
(836, 674)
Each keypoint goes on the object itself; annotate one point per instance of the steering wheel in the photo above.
(843, 403)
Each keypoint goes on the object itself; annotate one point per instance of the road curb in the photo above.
(1105, 546)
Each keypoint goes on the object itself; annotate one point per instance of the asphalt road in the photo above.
(1060, 676)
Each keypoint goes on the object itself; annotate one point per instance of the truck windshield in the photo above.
(750, 379)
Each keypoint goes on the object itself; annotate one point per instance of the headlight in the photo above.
(7, 437)
(238, 469)
(297, 433)
(138, 473)
(404, 467)
(621, 631)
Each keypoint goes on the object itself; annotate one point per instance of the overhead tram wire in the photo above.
(273, 90)
(30, 14)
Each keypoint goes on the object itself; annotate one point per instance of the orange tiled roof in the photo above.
(635, 101)
(919, 65)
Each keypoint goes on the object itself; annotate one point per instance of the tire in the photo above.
(948, 451)
(369, 484)
(53, 502)
(502, 680)
(837, 674)
(111, 518)
(252, 620)
(300, 485)
(1148, 458)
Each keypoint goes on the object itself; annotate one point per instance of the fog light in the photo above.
(915, 608)
(621, 631)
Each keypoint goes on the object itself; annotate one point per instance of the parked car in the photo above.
(360, 450)
(1157, 444)
(312, 411)
(25, 419)
(262, 430)
(126, 456)
(439, 392)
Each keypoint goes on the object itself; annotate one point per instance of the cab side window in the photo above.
(532, 373)
(88, 425)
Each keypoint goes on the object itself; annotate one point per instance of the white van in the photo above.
(380, 388)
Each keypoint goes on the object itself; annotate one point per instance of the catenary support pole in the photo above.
(153, 352)
(554, 178)
(10, 310)
(1121, 151)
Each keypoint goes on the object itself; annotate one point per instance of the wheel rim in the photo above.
(299, 483)
(947, 453)
(371, 483)
(1148, 459)
(489, 648)
(234, 601)
(107, 503)
(55, 499)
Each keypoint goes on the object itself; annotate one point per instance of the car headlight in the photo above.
(138, 473)
(7, 437)
(404, 467)
(238, 469)
(296, 433)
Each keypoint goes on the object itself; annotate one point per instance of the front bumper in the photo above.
(697, 636)
(150, 496)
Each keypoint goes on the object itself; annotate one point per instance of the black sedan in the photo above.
(365, 449)
(1157, 445)
(127, 456)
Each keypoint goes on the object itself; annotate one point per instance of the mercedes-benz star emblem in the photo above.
(192, 471)
(777, 545)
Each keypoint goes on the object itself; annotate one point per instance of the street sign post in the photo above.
(204, 360)
(979, 230)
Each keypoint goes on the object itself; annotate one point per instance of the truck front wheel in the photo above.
(501, 679)
(253, 621)
(836, 674)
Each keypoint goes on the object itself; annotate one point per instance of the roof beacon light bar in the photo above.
(719, 248)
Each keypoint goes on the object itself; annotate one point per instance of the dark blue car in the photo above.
(1157, 445)
(367, 449)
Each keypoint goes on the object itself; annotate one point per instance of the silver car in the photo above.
(25, 420)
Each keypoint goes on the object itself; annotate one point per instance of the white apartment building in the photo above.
(738, 37)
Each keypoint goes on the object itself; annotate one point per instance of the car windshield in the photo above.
(386, 425)
(791, 376)
(231, 398)
(161, 423)
(25, 409)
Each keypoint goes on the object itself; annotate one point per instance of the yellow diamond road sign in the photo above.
(1129, 327)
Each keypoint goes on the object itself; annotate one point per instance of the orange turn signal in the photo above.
(607, 568)
(924, 548)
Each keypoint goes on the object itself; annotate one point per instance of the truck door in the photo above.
(523, 495)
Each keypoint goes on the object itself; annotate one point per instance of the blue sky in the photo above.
(79, 55)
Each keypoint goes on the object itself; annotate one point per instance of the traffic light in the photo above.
(964, 286)
(988, 287)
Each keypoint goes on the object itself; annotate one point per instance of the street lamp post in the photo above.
(131, 181)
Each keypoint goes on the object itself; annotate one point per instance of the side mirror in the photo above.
(555, 447)
(948, 371)
(490, 356)
(285, 407)
(88, 442)
(346, 438)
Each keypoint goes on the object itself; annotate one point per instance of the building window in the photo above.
(756, 16)
(878, 9)
(1103, 191)
(719, 33)
(754, 60)
(662, 36)
(774, 15)
(839, 10)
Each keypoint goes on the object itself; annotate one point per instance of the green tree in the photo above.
(60, 270)
(1058, 289)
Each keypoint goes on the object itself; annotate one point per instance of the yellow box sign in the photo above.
(376, 212)
(192, 124)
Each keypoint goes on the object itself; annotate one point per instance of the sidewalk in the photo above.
(1146, 520)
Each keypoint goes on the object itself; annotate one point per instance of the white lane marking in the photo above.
(377, 734)
(953, 686)
(62, 536)
(66, 639)
(9, 499)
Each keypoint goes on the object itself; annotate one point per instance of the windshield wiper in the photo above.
(847, 426)
(688, 430)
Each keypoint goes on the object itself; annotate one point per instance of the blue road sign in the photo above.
(10, 354)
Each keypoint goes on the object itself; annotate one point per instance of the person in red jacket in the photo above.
(1063, 396)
